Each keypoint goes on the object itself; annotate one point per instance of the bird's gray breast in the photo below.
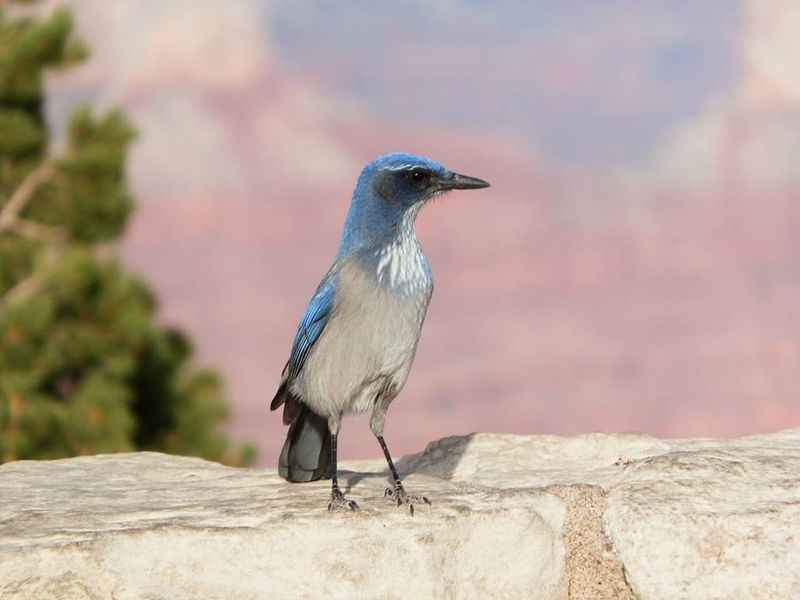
(370, 340)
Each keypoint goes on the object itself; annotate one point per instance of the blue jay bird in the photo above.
(355, 344)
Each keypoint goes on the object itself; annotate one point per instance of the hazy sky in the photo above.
(593, 83)
(633, 267)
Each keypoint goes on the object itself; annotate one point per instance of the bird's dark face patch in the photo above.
(417, 179)
(406, 186)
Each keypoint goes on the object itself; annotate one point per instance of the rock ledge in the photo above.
(594, 516)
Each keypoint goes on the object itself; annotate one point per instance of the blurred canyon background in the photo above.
(634, 266)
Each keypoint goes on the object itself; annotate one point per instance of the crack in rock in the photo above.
(593, 571)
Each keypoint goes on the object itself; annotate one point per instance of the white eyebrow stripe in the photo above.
(405, 166)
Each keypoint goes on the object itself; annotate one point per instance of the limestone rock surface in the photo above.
(595, 516)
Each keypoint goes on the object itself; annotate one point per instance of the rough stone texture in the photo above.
(690, 519)
(594, 516)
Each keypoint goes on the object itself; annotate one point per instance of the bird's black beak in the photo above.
(456, 181)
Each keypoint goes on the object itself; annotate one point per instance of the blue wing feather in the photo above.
(311, 325)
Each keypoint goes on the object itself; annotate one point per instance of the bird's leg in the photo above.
(338, 500)
(397, 492)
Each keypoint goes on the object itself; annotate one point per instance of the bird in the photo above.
(356, 342)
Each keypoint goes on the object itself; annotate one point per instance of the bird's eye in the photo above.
(417, 176)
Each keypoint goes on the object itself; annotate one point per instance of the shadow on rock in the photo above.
(439, 459)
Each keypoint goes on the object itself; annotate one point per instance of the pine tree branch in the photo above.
(37, 231)
(9, 215)
(29, 286)
(32, 284)
(24, 289)
(11, 221)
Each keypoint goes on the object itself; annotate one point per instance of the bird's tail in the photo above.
(306, 453)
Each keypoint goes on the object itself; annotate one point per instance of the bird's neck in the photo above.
(392, 256)
(384, 243)
(405, 231)
(375, 224)
(401, 266)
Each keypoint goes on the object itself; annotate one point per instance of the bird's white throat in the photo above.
(401, 264)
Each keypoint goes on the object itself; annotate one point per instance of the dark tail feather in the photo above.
(280, 395)
(306, 454)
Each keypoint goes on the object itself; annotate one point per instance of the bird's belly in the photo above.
(365, 352)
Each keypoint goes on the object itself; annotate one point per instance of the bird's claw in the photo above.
(339, 502)
(399, 495)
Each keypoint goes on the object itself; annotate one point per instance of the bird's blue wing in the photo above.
(311, 326)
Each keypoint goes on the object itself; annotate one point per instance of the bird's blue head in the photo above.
(389, 193)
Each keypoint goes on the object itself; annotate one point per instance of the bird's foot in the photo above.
(400, 497)
(339, 502)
